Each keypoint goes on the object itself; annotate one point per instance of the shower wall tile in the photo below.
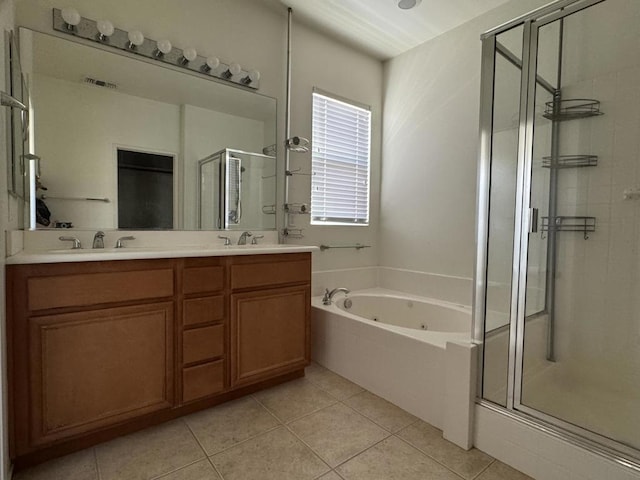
(352, 278)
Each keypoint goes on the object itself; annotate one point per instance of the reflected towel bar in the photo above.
(357, 246)
(90, 199)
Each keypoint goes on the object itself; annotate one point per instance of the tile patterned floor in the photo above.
(319, 427)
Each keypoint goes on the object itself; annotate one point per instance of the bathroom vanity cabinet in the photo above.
(98, 349)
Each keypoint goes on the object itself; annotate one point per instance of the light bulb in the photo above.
(71, 17)
(252, 77)
(233, 69)
(136, 38)
(163, 46)
(211, 64)
(105, 29)
(189, 54)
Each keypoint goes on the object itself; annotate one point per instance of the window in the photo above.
(340, 162)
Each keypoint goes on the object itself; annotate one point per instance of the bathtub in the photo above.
(393, 344)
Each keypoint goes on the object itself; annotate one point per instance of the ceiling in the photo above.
(381, 28)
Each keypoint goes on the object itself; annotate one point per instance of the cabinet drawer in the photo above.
(98, 288)
(202, 344)
(203, 279)
(265, 274)
(202, 380)
(203, 310)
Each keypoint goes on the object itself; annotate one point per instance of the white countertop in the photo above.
(135, 253)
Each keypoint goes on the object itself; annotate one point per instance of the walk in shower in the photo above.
(557, 300)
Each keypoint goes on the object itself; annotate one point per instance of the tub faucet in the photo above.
(328, 295)
(243, 238)
(98, 240)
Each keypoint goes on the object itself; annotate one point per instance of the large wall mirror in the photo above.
(121, 140)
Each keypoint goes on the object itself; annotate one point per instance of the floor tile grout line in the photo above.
(286, 422)
(302, 441)
(95, 459)
(207, 455)
(215, 468)
(270, 429)
(430, 457)
(484, 469)
(328, 392)
(165, 474)
(360, 453)
(377, 423)
(310, 449)
(288, 427)
(195, 437)
(360, 393)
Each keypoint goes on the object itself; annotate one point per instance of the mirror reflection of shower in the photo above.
(235, 189)
(224, 203)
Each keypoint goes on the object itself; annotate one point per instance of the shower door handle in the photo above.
(533, 220)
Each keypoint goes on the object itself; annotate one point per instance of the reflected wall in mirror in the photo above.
(90, 103)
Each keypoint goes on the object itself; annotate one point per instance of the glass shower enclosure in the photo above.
(236, 191)
(557, 295)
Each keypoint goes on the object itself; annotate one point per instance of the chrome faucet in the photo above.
(98, 240)
(76, 242)
(119, 243)
(328, 295)
(243, 238)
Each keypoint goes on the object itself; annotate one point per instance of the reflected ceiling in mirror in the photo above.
(91, 104)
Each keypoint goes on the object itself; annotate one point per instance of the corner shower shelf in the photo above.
(570, 161)
(569, 224)
(572, 109)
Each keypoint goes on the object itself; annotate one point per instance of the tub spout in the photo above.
(328, 295)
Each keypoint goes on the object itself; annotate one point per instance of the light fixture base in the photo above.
(88, 30)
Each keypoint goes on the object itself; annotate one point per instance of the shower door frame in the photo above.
(532, 22)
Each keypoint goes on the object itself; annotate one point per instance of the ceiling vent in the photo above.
(99, 83)
(408, 4)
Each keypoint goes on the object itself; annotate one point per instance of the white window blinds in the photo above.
(340, 162)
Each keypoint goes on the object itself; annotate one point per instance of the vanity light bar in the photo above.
(146, 47)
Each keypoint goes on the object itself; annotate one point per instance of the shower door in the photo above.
(570, 354)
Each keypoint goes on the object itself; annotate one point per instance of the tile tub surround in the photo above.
(379, 441)
(426, 373)
(429, 285)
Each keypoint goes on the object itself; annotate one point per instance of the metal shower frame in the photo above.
(530, 22)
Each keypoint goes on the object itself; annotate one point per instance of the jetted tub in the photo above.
(392, 344)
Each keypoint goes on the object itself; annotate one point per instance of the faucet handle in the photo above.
(121, 239)
(227, 240)
(254, 241)
(76, 242)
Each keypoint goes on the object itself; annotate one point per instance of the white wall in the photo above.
(78, 129)
(332, 67)
(430, 140)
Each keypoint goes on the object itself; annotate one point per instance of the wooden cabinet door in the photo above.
(96, 368)
(269, 333)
